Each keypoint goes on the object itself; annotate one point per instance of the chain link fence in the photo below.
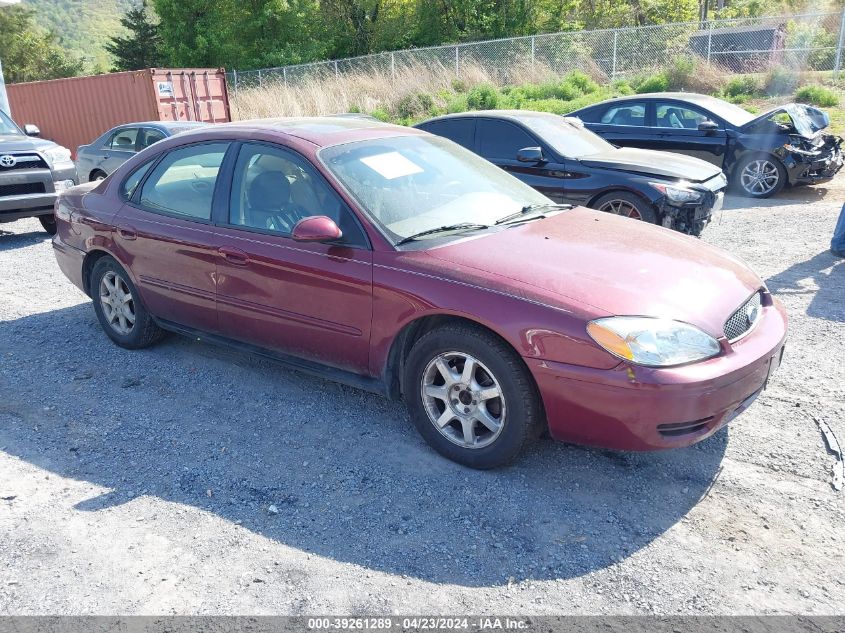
(812, 41)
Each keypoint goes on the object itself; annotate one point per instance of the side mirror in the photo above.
(317, 228)
(708, 126)
(31, 130)
(530, 155)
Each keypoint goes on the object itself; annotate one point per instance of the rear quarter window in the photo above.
(461, 131)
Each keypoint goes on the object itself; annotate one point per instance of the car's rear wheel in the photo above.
(760, 176)
(119, 308)
(627, 205)
(471, 396)
(97, 175)
(49, 223)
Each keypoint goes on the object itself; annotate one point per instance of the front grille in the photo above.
(21, 161)
(741, 321)
(22, 189)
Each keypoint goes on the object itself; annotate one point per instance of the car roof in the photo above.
(691, 97)
(322, 131)
(511, 115)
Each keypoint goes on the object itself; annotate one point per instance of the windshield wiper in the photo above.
(528, 209)
(442, 229)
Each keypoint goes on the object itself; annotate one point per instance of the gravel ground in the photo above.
(141, 482)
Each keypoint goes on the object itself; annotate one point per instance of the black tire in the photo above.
(144, 332)
(616, 199)
(49, 223)
(520, 409)
(740, 186)
(97, 174)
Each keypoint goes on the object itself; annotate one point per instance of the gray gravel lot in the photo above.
(141, 482)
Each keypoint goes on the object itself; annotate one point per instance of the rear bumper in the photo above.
(70, 261)
(638, 408)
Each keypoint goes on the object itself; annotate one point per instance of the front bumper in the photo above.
(15, 207)
(811, 169)
(640, 408)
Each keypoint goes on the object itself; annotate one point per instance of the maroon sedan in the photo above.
(396, 261)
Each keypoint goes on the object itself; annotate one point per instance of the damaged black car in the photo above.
(560, 158)
(761, 154)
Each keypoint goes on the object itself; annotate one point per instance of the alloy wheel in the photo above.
(621, 207)
(760, 177)
(117, 302)
(463, 400)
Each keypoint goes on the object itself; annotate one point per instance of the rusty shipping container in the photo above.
(75, 111)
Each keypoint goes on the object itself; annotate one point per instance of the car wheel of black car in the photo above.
(49, 223)
(97, 175)
(119, 308)
(471, 396)
(627, 205)
(759, 176)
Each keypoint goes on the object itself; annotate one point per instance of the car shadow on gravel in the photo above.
(10, 241)
(803, 195)
(320, 467)
(823, 277)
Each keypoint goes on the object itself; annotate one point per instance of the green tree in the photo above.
(29, 52)
(141, 46)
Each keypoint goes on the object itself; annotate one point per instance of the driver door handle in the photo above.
(234, 255)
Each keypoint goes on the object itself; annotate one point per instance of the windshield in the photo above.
(567, 137)
(730, 112)
(411, 184)
(7, 126)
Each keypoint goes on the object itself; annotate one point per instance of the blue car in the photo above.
(98, 159)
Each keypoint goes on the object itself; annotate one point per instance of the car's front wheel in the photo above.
(760, 176)
(627, 205)
(49, 223)
(119, 308)
(471, 396)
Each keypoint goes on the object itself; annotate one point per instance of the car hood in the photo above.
(652, 162)
(20, 143)
(807, 120)
(610, 265)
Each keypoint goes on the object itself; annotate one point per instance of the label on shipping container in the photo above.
(165, 88)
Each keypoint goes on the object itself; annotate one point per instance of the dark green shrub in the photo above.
(483, 97)
(817, 95)
(459, 85)
(780, 81)
(413, 105)
(581, 82)
(655, 83)
(741, 86)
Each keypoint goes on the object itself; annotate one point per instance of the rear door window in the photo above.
(183, 182)
(631, 114)
(124, 140)
(502, 139)
(149, 136)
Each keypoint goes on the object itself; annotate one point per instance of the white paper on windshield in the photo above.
(391, 165)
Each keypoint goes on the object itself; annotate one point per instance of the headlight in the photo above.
(678, 194)
(57, 155)
(652, 342)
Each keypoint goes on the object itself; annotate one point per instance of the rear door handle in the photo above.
(234, 255)
(127, 234)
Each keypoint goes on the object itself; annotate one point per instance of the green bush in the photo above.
(681, 73)
(458, 103)
(780, 81)
(483, 97)
(581, 82)
(741, 87)
(655, 83)
(381, 114)
(817, 95)
(555, 106)
(622, 88)
(354, 108)
(414, 105)
(459, 85)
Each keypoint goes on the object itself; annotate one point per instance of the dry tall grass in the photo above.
(368, 91)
